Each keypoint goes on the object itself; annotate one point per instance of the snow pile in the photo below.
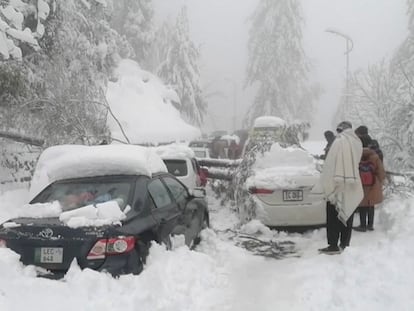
(375, 273)
(174, 150)
(93, 215)
(39, 210)
(283, 168)
(73, 161)
(315, 147)
(269, 121)
(144, 107)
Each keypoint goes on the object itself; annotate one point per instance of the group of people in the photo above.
(352, 179)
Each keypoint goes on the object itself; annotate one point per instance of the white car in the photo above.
(280, 181)
(181, 162)
(184, 169)
(201, 153)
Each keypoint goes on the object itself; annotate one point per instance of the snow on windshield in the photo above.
(283, 168)
(91, 215)
(145, 106)
(75, 161)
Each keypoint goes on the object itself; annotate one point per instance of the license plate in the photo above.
(292, 195)
(49, 255)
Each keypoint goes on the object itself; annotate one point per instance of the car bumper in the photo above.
(313, 214)
(114, 265)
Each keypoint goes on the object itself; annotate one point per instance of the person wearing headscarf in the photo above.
(373, 190)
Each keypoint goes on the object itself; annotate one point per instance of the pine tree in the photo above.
(134, 20)
(179, 67)
(277, 65)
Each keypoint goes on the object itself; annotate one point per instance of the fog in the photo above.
(220, 28)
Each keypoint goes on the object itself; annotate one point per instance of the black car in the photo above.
(156, 208)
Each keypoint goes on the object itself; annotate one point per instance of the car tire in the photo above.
(167, 242)
(205, 223)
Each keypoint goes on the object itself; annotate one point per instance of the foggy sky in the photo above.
(220, 28)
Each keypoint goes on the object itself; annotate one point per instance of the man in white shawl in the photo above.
(341, 184)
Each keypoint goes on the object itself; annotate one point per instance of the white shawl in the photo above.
(340, 181)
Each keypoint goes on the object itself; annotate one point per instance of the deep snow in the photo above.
(375, 273)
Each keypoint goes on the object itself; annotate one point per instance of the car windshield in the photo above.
(177, 167)
(77, 193)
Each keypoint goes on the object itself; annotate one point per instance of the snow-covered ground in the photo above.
(375, 273)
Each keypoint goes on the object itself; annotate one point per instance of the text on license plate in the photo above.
(49, 254)
(292, 195)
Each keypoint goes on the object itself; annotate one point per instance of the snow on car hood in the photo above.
(280, 167)
(97, 215)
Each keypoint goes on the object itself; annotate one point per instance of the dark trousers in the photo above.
(335, 229)
(366, 213)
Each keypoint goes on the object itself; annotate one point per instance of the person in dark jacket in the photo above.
(330, 137)
(362, 132)
(373, 192)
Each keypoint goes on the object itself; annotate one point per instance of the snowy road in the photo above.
(375, 273)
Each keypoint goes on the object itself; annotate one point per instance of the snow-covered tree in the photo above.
(134, 20)
(277, 65)
(61, 94)
(178, 67)
(21, 25)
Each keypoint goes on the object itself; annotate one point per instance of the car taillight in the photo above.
(3, 243)
(113, 246)
(260, 191)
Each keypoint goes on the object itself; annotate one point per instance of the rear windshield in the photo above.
(77, 193)
(177, 167)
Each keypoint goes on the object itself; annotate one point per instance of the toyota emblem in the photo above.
(46, 233)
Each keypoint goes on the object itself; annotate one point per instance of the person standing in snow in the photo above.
(341, 185)
(372, 189)
(362, 132)
(330, 137)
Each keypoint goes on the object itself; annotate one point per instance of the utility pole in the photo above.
(349, 47)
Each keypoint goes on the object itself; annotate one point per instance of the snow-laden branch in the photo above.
(11, 27)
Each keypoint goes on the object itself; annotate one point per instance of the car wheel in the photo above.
(205, 223)
(167, 242)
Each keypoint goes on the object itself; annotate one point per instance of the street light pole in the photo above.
(349, 47)
(234, 99)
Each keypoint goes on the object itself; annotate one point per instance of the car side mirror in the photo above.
(197, 192)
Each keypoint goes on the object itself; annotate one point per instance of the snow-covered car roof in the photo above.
(269, 121)
(77, 161)
(174, 151)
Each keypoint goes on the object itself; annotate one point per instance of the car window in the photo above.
(194, 164)
(141, 194)
(159, 193)
(177, 167)
(78, 193)
(178, 191)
